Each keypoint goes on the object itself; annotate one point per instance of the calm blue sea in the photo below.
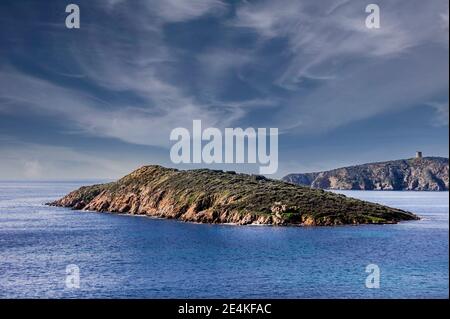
(140, 257)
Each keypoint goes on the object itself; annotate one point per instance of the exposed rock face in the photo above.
(208, 196)
(417, 174)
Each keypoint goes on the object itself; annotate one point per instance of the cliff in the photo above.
(417, 174)
(208, 196)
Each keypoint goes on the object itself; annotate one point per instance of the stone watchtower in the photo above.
(418, 154)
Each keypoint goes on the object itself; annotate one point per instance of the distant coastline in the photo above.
(415, 174)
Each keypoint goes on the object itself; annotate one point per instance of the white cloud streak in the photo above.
(441, 114)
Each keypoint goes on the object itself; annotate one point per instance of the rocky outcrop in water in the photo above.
(208, 196)
(416, 174)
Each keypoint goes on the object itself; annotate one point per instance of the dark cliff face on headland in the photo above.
(417, 174)
(208, 196)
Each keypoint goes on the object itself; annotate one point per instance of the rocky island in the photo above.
(209, 196)
(415, 174)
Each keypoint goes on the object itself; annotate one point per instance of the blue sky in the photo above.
(99, 101)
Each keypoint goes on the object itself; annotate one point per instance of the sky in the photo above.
(99, 101)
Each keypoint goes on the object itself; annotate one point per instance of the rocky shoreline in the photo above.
(209, 196)
(415, 174)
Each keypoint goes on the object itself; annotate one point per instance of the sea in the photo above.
(51, 252)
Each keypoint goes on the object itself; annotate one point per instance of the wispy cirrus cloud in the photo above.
(442, 113)
(358, 72)
(146, 125)
(170, 11)
(322, 34)
(130, 59)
